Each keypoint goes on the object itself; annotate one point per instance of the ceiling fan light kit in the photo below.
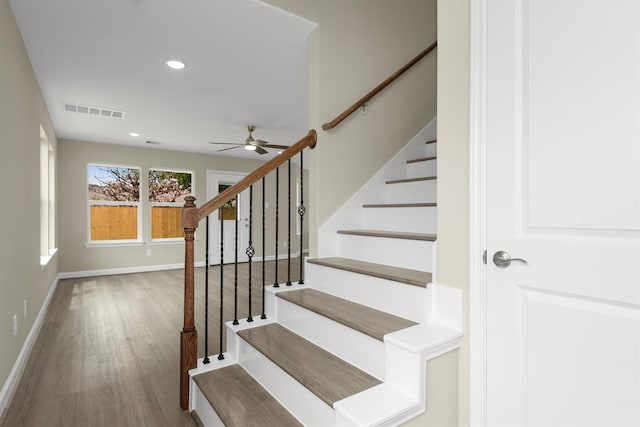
(251, 144)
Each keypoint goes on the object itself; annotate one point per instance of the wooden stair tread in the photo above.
(369, 321)
(391, 234)
(432, 141)
(239, 400)
(401, 205)
(325, 375)
(422, 159)
(398, 274)
(422, 178)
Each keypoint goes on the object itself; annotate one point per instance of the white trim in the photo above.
(477, 205)
(45, 259)
(112, 243)
(10, 385)
(166, 241)
(150, 268)
(126, 270)
(281, 257)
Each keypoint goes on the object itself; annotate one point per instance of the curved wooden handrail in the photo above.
(335, 122)
(191, 216)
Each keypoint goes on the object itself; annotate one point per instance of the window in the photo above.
(230, 208)
(167, 191)
(114, 203)
(47, 199)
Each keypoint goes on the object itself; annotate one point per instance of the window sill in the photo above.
(155, 242)
(117, 243)
(45, 259)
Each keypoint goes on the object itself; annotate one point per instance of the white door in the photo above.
(216, 183)
(563, 193)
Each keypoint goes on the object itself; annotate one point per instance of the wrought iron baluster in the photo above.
(276, 284)
(289, 225)
(264, 255)
(221, 322)
(206, 296)
(250, 250)
(235, 280)
(301, 211)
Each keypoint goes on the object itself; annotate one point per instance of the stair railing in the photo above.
(362, 101)
(191, 217)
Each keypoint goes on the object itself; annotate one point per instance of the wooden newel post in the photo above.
(189, 335)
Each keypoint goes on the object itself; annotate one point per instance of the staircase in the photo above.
(351, 346)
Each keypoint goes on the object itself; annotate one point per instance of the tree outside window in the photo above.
(114, 201)
(167, 192)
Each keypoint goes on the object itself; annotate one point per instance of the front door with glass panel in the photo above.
(222, 223)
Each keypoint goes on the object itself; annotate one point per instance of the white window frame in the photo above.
(165, 204)
(121, 242)
(47, 200)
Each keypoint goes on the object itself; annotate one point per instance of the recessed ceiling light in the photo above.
(279, 152)
(134, 134)
(175, 64)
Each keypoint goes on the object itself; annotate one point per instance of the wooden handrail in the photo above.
(191, 216)
(335, 122)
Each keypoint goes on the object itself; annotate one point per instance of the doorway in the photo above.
(235, 209)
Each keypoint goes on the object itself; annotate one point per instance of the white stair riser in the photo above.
(411, 192)
(426, 168)
(431, 149)
(414, 254)
(297, 399)
(412, 220)
(400, 299)
(358, 349)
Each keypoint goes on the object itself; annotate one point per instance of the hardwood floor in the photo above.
(108, 351)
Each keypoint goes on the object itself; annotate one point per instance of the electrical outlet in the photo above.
(25, 308)
(15, 325)
(148, 252)
(284, 244)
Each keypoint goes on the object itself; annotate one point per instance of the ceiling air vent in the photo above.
(95, 111)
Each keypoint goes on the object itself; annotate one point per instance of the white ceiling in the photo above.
(246, 64)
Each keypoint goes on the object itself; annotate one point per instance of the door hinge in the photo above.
(484, 257)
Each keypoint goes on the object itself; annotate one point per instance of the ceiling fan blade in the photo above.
(230, 148)
(280, 147)
(224, 143)
(260, 150)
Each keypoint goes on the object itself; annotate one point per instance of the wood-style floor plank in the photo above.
(108, 350)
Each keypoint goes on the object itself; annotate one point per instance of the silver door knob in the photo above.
(503, 260)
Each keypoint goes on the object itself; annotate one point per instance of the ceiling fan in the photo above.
(257, 145)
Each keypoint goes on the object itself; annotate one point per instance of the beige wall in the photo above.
(453, 167)
(74, 156)
(22, 111)
(357, 45)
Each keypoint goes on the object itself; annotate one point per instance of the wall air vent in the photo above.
(95, 111)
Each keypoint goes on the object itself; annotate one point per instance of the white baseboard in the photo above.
(10, 385)
(125, 270)
(161, 267)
